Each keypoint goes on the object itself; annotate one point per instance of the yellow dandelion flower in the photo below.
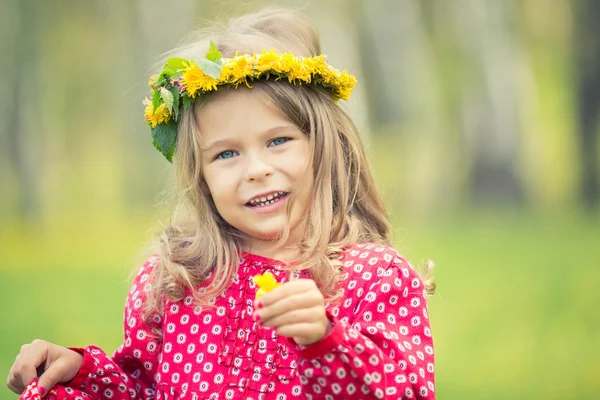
(154, 118)
(148, 110)
(346, 80)
(153, 80)
(267, 61)
(300, 71)
(344, 85)
(238, 69)
(292, 67)
(316, 64)
(194, 79)
(226, 73)
(329, 75)
(342, 93)
(287, 62)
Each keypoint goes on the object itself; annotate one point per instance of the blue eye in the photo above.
(279, 141)
(226, 154)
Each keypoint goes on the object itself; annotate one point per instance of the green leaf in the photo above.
(175, 94)
(164, 136)
(156, 100)
(160, 82)
(210, 68)
(213, 53)
(187, 101)
(174, 67)
(167, 97)
(175, 64)
(168, 156)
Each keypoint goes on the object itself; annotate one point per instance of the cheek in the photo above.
(216, 187)
(297, 163)
(220, 191)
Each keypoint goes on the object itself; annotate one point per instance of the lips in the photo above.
(266, 199)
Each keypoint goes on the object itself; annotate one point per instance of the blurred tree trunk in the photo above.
(23, 107)
(140, 38)
(405, 100)
(587, 45)
(334, 20)
(124, 20)
(398, 62)
(490, 98)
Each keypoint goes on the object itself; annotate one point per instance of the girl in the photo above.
(273, 180)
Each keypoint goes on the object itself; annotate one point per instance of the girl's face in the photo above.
(252, 160)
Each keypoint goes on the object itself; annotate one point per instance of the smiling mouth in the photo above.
(267, 200)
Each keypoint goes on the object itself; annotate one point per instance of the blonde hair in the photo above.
(346, 207)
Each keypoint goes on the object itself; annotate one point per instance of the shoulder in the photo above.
(374, 257)
(142, 280)
(374, 262)
(138, 296)
(144, 272)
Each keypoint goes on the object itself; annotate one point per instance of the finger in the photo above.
(289, 288)
(52, 376)
(295, 302)
(31, 357)
(302, 333)
(13, 384)
(310, 315)
(28, 373)
(15, 388)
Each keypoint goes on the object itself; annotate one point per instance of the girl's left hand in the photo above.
(295, 309)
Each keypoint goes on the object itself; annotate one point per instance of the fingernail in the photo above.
(257, 317)
(260, 304)
(42, 391)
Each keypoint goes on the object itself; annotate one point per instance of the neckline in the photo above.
(263, 259)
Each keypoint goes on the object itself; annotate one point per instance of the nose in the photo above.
(257, 168)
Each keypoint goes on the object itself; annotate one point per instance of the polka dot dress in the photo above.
(380, 346)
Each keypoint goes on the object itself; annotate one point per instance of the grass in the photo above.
(515, 314)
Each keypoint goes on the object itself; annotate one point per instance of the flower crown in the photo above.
(180, 81)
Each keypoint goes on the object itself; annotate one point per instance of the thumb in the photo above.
(51, 377)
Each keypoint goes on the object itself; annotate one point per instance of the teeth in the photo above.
(263, 201)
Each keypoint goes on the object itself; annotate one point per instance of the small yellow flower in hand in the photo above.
(265, 282)
(295, 309)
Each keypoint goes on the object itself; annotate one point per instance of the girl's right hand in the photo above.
(56, 364)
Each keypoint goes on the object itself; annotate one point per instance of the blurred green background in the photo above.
(481, 119)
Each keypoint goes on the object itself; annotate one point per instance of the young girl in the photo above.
(274, 186)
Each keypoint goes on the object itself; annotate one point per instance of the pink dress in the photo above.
(380, 346)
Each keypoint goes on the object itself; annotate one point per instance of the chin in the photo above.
(267, 235)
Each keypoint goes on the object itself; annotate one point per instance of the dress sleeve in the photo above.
(385, 351)
(129, 372)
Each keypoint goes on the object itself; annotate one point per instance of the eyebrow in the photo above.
(268, 132)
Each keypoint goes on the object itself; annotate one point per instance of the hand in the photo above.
(57, 365)
(295, 309)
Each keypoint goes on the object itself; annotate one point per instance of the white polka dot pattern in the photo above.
(380, 346)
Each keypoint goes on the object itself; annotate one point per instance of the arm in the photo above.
(129, 373)
(385, 351)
